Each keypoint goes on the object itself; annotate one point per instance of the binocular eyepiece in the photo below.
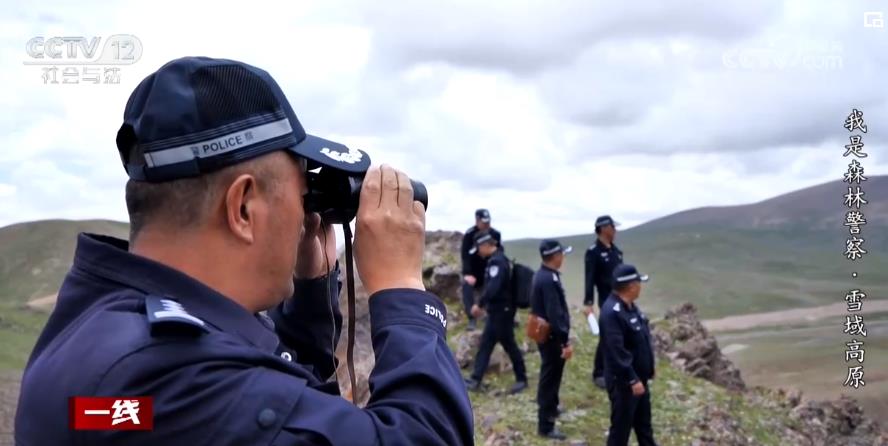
(335, 194)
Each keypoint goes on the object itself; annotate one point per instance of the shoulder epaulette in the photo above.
(167, 315)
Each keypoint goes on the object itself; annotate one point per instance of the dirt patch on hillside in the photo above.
(43, 304)
(789, 317)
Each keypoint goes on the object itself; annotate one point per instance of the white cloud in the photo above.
(548, 114)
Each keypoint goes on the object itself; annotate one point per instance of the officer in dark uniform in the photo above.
(473, 265)
(217, 159)
(601, 259)
(628, 359)
(498, 303)
(548, 301)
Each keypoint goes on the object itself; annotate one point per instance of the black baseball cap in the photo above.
(481, 238)
(605, 220)
(483, 214)
(549, 247)
(625, 273)
(195, 115)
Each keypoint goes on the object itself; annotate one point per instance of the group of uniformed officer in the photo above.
(241, 351)
(624, 360)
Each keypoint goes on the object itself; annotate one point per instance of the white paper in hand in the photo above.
(593, 323)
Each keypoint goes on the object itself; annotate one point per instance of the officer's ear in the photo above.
(240, 207)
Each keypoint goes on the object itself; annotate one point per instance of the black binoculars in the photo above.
(335, 194)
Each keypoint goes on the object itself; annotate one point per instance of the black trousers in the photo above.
(629, 412)
(468, 298)
(551, 371)
(598, 368)
(500, 328)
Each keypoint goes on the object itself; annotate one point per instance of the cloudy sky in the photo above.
(547, 114)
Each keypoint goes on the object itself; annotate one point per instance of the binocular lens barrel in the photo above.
(336, 195)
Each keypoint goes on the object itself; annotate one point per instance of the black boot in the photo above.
(518, 387)
(553, 434)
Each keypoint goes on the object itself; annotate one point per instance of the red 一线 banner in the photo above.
(111, 413)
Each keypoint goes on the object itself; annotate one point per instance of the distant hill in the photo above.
(34, 258)
(815, 208)
(785, 252)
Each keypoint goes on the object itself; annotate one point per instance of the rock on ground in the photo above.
(683, 339)
(467, 347)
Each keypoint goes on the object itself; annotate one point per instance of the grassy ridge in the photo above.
(678, 402)
(34, 258)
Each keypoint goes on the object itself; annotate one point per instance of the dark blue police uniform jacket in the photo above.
(549, 301)
(128, 326)
(600, 263)
(496, 296)
(626, 341)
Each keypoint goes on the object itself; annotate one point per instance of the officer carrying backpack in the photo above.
(522, 284)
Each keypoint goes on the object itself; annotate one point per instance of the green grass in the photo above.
(678, 402)
(34, 258)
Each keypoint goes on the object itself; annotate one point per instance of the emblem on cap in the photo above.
(351, 157)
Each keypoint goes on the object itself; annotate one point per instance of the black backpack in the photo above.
(522, 284)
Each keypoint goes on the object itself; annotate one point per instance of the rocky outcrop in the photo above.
(841, 421)
(467, 346)
(683, 339)
(441, 265)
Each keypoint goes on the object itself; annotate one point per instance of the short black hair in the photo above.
(184, 203)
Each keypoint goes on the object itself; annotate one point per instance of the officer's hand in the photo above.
(638, 389)
(477, 311)
(317, 240)
(566, 352)
(588, 309)
(470, 279)
(389, 232)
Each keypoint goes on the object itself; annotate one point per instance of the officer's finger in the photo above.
(419, 211)
(371, 193)
(405, 191)
(312, 225)
(389, 193)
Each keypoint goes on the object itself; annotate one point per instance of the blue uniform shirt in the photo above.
(128, 326)
(600, 262)
(497, 295)
(626, 342)
(549, 301)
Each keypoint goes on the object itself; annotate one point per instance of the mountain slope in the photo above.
(786, 252)
(34, 258)
(815, 208)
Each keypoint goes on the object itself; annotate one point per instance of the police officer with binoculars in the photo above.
(220, 308)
